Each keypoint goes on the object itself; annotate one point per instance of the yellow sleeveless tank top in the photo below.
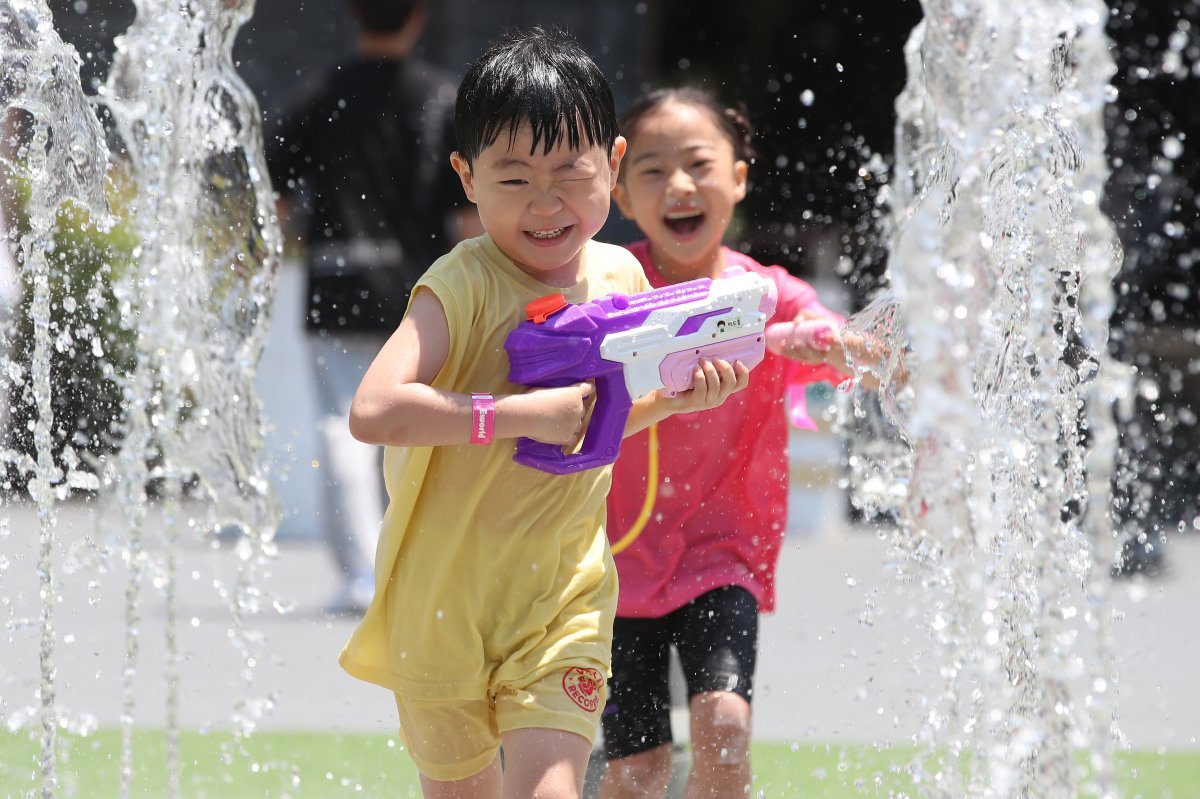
(487, 571)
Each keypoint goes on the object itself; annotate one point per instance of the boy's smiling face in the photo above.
(541, 208)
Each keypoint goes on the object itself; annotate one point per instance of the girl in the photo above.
(697, 510)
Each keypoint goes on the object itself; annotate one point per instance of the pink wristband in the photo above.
(483, 416)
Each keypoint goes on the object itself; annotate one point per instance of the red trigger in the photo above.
(544, 307)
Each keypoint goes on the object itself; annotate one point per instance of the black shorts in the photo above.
(716, 636)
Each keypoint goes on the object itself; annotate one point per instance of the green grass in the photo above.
(328, 766)
(216, 766)
(839, 772)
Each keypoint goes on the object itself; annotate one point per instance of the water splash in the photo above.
(203, 288)
(195, 301)
(64, 155)
(875, 422)
(210, 247)
(1003, 262)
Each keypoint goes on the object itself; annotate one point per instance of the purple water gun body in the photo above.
(630, 345)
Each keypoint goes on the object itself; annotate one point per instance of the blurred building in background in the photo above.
(818, 79)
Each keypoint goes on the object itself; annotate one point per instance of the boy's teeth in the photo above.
(682, 214)
(546, 234)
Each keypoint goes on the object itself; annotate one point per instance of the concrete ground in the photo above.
(823, 674)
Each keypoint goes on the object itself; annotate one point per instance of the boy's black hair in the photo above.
(539, 77)
(383, 16)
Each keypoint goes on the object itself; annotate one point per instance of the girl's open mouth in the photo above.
(683, 222)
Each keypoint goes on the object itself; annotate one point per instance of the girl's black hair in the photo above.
(539, 77)
(734, 121)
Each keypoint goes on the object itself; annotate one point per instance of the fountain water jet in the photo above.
(196, 299)
(66, 159)
(1003, 263)
(202, 290)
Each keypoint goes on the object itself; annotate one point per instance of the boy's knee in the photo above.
(732, 753)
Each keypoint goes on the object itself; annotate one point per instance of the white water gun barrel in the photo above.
(728, 323)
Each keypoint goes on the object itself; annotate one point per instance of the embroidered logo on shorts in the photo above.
(583, 687)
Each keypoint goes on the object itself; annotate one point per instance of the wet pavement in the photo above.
(823, 674)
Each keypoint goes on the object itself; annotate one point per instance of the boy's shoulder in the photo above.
(458, 268)
(613, 261)
(611, 252)
(467, 252)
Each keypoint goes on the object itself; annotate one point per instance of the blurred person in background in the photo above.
(361, 163)
(1153, 129)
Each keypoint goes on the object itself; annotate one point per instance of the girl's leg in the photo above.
(636, 720)
(544, 764)
(484, 785)
(720, 746)
(717, 640)
(645, 775)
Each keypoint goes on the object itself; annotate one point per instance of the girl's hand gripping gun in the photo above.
(630, 345)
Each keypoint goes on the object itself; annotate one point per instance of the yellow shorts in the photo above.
(455, 739)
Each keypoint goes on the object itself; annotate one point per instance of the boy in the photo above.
(495, 588)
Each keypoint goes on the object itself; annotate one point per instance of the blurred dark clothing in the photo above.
(1152, 197)
(1153, 132)
(366, 152)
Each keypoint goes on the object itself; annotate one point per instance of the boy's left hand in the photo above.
(712, 383)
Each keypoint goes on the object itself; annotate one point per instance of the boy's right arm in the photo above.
(395, 405)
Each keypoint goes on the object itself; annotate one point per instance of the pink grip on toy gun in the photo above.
(679, 368)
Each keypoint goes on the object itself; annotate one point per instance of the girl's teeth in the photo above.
(684, 222)
(546, 234)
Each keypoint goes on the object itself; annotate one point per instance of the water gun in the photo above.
(631, 345)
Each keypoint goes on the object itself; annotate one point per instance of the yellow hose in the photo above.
(639, 523)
